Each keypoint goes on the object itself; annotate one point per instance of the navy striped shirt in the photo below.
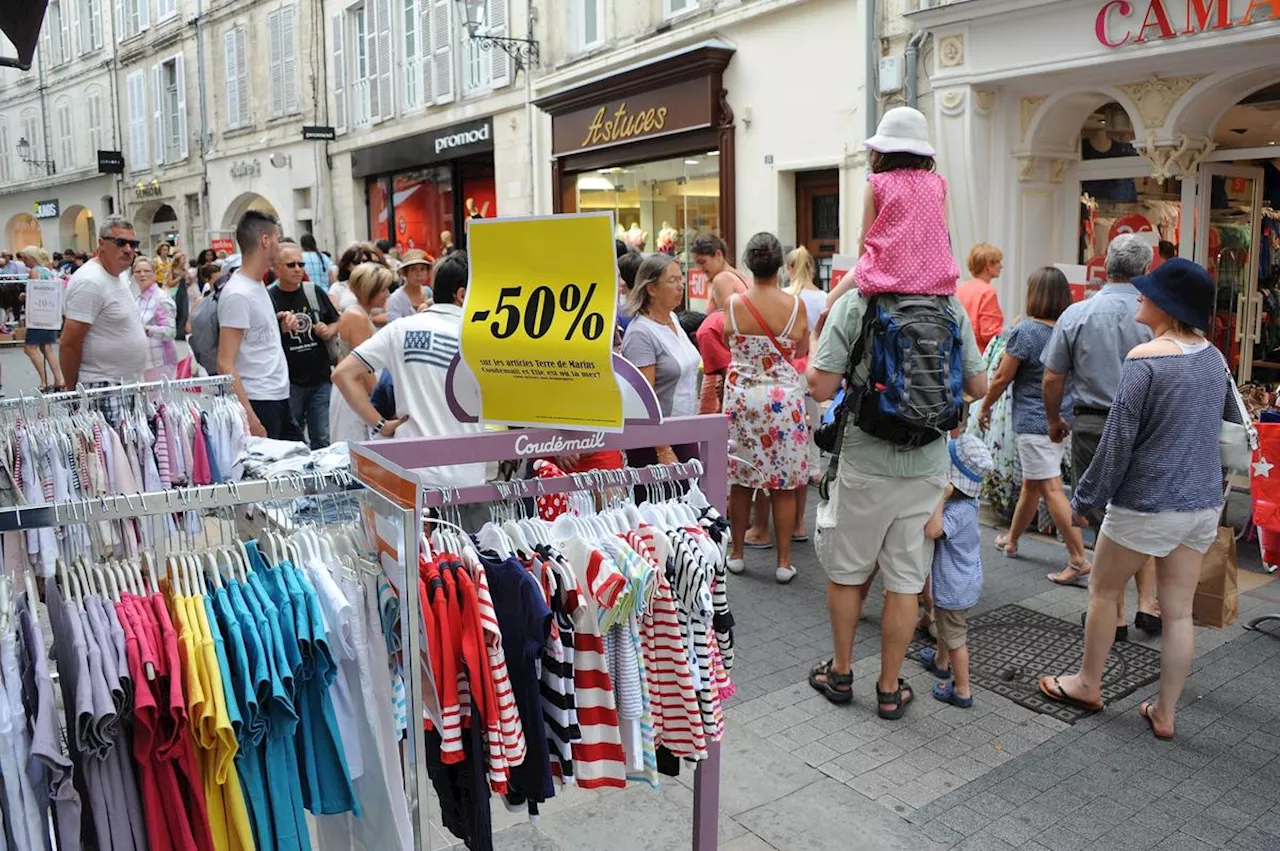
(1159, 448)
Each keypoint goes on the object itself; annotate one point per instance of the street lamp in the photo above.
(523, 51)
(24, 154)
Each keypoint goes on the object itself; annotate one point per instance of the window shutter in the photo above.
(275, 54)
(442, 52)
(65, 11)
(66, 139)
(180, 79)
(95, 23)
(339, 73)
(233, 82)
(500, 62)
(119, 19)
(385, 80)
(138, 120)
(242, 73)
(426, 48)
(157, 111)
(372, 58)
(290, 63)
(72, 13)
(46, 59)
(144, 14)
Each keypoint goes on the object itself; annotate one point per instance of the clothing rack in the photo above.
(394, 469)
(588, 480)
(82, 393)
(176, 500)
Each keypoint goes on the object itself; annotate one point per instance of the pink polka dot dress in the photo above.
(908, 249)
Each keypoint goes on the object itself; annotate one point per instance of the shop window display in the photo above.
(1116, 205)
(423, 208)
(658, 206)
(379, 209)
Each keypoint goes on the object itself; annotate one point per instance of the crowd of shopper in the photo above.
(1120, 394)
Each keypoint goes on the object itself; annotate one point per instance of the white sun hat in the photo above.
(970, 463)
(902, 130)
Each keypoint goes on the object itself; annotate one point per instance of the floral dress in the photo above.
(1002, 486)
(764, 401)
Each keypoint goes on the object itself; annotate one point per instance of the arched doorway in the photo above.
(164, 227)
(243, 204)
(23, 230)
(76, 229)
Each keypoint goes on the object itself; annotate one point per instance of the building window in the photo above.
(132, 17)
(31, 132)
(239, 112)
(136, 89)
(676, 8)
(6, 169)
(362, 76)
(587, 23)
(437, 50)
(411, 77)
(97, 139)
(55, 42)
(165, 9)
(283, 61)
(90, 25)
(169, 108)
(66, 139)
(488, 69)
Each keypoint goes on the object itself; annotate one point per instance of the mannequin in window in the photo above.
(636, 237)
(1098, 145)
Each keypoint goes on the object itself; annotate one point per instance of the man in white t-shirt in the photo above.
(103, 341)
(418, 350)
(249, 347)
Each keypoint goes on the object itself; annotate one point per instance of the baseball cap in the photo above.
(970, 464)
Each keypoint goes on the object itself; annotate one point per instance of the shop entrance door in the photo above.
(1228, 233)
(818, 218)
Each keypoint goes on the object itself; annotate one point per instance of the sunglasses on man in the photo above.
(297, 265)
(121, 242)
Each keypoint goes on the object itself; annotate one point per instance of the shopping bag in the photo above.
(1264, 477)
(1217, 600)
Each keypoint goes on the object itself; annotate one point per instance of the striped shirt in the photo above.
(1159, 447)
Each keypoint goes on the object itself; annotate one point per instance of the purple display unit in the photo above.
(392, 467)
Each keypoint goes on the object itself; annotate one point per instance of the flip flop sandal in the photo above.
(946, 692)
(1057, 693)
(763, 545)
(1145, 711)
(928, 658)
(799, 539)
(783, 575)
(829, 686)
(894, 697)
(1003, 545)
(1080, 580)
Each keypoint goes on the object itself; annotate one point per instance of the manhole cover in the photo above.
(1011, 647)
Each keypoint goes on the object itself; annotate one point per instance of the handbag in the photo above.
(1237, 441)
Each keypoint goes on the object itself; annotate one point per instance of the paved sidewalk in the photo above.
(799, 774)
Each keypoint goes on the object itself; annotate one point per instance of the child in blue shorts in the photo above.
(957, 568)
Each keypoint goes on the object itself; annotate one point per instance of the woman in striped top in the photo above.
(1158, 472)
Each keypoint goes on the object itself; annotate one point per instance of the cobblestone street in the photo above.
(799, 774)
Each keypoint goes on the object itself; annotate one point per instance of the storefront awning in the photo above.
(21, 22)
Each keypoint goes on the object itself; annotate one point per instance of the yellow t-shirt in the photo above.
(228, 814)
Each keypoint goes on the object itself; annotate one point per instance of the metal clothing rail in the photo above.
(81, 393)
(176, 500)
(589, 480)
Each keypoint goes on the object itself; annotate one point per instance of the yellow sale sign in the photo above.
(538, 322)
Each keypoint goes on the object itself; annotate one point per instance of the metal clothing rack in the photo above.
(208, 382)
(399, 470)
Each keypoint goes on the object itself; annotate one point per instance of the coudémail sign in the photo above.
(1124, 22)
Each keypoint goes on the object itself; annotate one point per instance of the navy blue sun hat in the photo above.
(1181, 289)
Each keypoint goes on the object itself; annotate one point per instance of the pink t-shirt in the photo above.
(908, 249)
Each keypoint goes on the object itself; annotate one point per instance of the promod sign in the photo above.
(1122, 22)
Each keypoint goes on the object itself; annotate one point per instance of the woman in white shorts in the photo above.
(1048, 294)
(1158, 472)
